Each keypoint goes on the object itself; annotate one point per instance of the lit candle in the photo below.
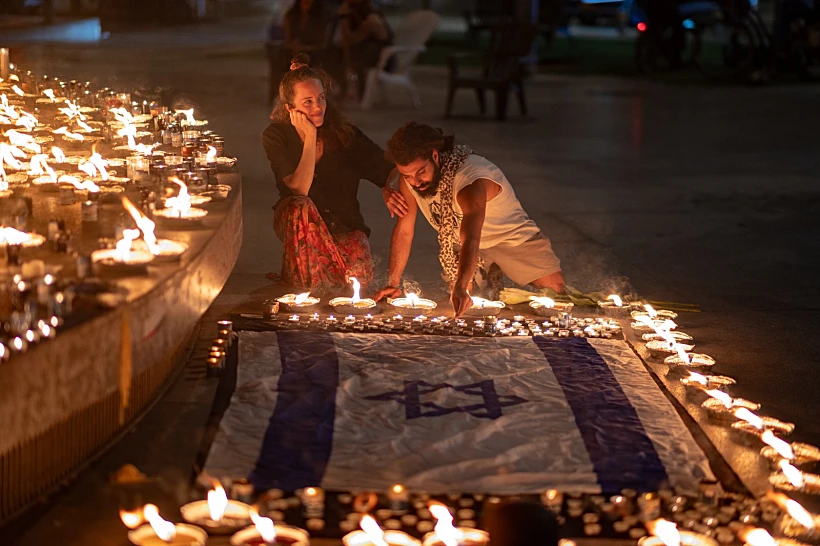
(373, 535)
(160, 532)
(313, 502)
(399, 499)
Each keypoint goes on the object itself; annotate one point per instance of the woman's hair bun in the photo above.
(299, 60)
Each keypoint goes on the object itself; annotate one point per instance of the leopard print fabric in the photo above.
(450, 222)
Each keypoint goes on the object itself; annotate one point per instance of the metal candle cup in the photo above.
(285, 535)
(413, 306)
(393, 538)
(687, 538)
(236, 516)
(347, 306)
(298, 303)
(188, 535)
(470, 537)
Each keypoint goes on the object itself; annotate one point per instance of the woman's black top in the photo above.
(336, 177)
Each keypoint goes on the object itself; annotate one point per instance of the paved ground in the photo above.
(690, 193)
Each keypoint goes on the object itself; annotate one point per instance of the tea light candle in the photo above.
(399, 499)
(372, 535)
(160, 532)
(313, 501)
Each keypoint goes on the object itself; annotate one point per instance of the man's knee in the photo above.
(553, 281)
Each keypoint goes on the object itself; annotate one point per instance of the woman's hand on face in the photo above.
(395, 201)
(302, 124)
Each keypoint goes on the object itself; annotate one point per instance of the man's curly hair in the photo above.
(414, 141)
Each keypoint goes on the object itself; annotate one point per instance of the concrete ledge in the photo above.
(24, 30)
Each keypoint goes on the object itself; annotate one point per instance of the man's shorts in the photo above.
(525, 262)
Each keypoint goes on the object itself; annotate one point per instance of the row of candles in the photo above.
(711, 519)
(219, 515)
(33, 116)
(411, 315)
(658, 330)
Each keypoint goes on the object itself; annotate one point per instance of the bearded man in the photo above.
(469, 201)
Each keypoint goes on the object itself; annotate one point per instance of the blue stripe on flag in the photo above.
(299, 437)
(620, 450)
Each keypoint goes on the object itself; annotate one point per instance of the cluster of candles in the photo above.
(658, 330)
(219, 515)
(398, 518)
(219, 348)
(52, 136)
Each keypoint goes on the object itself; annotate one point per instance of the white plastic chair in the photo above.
(408, 41)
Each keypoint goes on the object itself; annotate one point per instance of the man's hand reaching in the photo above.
(461, 301)
(388, 292)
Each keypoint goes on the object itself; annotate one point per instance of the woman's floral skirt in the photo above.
(313, 257)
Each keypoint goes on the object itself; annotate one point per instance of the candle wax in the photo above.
(280, 541)
(180, 539)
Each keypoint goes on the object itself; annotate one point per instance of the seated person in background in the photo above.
(306, 25)
(318, 158)
(363, 33)
(469, 201)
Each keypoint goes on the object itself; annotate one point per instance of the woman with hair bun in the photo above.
(318, 158)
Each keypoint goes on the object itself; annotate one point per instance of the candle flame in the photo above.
(182, 202)
(68, 134)
(650, 310)
(124, 245)
(165, 530)
(145, 224)
(398, 488)
(666, 531)
(50, 94)
(11, 236)
(698, 378)
(301, 298)
(9, 155)
(727, 400)
(100, 163)
(356, 288)
(18, 90)
(84, 185)
(189, 116)
(791, 472)
(17, 138)
(444, 529)
(371, 528)
(782, 447)
(265, 526)
(217, 502)
(746, 415)
(794, 509)
(549, 303)
(132, 520)
(58, 154)
(616, 299)
(757, 537)
(211, 155)
(682, 354)
(412, 298)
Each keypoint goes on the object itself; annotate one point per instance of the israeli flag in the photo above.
(442, 414)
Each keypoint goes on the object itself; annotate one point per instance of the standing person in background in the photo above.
(363, 33)
(306, 26)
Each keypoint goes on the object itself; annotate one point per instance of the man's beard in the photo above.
(432, 187)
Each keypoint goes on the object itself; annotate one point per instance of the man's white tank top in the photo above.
(505, 220)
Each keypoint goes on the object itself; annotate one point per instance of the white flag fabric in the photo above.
(443, 414)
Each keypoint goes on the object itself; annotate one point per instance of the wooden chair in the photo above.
(502, 68)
